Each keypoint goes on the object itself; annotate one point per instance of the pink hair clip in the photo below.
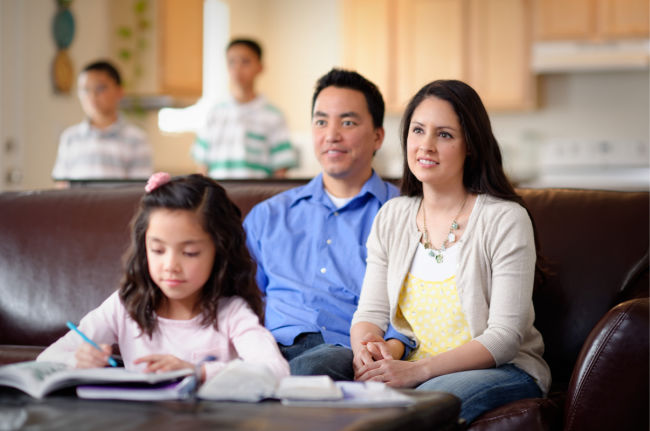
(157, 180)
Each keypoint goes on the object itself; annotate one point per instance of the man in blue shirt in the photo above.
(310, 242)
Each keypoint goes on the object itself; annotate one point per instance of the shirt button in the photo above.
(336, 213)
(323, 270)
(329, 241)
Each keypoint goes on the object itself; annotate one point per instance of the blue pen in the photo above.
(73, 327)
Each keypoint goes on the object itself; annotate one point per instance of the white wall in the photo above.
(583, 107)
(587, 105)
(303, 44)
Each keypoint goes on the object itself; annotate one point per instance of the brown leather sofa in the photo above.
(60, 256)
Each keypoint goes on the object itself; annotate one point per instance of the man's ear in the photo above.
(379, 137)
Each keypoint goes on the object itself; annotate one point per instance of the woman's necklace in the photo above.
(436, 253)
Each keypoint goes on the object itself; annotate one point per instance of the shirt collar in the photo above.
(110, 130)
(258, 101)
(375, 186)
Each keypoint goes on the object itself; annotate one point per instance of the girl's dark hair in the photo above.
(483, 169)
(233, 272)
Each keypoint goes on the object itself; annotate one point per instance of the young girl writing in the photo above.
(452, 264)
(188, 293)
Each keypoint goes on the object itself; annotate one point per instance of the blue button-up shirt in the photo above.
(311, 258)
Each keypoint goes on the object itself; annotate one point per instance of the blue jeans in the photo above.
(310, 356)
(484, 390)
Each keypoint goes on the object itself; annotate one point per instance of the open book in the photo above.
(241, 381)
(41, 378)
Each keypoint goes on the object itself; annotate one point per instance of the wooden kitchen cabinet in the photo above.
(367, 39)
(499, 44)
(564, 19)
(430, 42)
(624, 18)
(405, 44)
(180, 47)
(592, 20)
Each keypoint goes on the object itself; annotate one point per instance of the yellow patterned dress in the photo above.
(429, 302)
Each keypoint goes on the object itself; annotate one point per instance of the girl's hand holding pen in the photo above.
(88, 356)
(84, 355)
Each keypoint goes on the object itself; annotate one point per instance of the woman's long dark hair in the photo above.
(233, 272)
(483, 168)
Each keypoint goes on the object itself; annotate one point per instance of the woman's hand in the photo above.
(88, 356)
(159, 363)
(406, 374)
(368, 345)
(395, 373)
(373, 348)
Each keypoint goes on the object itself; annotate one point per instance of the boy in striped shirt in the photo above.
(104, 145)
(245, 137)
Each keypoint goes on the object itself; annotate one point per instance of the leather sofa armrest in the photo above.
(609, 386)
(530, 414)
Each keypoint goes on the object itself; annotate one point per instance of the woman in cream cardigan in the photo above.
(452, 264)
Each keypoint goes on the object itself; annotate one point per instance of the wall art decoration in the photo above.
(63, 28)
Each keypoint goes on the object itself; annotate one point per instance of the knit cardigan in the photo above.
(494, 278)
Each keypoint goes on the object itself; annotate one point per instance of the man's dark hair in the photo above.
(250, 43)
(106, 67)
(341, 78)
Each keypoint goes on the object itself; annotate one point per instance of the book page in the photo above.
(308, 388)
(359, 394)
(240, 381)
(31, 376)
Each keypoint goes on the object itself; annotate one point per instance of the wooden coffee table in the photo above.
(433, 411)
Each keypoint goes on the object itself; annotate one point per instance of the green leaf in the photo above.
(125, 54)
(139, 110)
(140, 6)
(124, 32)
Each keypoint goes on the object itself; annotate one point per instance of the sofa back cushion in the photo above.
(60, 256)
(596, 244)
